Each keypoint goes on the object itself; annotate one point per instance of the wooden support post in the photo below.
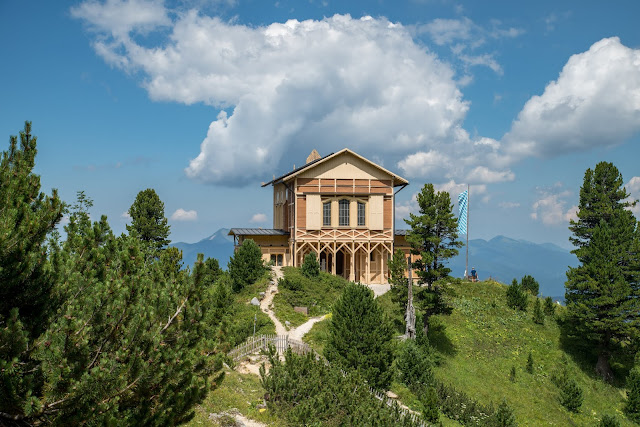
(368, 261)
(352, 276)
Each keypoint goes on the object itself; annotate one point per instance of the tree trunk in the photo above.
(603, 368)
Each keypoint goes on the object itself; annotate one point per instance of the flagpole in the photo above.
(466, 267)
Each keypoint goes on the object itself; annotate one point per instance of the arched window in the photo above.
(343, 213)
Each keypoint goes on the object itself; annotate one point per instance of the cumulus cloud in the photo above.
(120, 17)
(258, 218)
(484, 174)
(594, 102)
(182, 215)
(633, 188)
(125, 215)
(324, 82)
(551, 206)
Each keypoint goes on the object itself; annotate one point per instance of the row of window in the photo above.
(343, 213)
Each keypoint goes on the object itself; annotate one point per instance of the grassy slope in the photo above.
(483, 338)
(242, 321)
(316, 294)
(479, 343)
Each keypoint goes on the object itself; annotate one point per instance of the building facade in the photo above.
(340, 207)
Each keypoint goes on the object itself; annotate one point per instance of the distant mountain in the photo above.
(219, 246)
(503, 259)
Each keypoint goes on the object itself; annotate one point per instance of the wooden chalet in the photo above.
(340, 206)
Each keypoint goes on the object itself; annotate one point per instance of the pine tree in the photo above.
(360, 336)
(516, 296)
(529, 367)
(504, 416)
(246, 265)
(632, 406)
(311, 266)
(609, 421)
(433, 234)
(538, 314)
(399, 283)
(27, 216)
(148, 222)
(549, 307)
(603, 292)
(530, 284)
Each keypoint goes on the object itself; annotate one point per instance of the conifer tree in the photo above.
(516, 296)
(27, 216)
(529, 367)
(530, 284)
(603, 292)
(148, 222)
(549, 306)
(433, 234)
(360, 336)
(632, 406)
(311, 266)
(538, 314)
(399, 283)
(246, 265)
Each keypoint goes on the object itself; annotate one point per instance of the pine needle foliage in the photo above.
(549, 307)
(516, 296)
(603, 292)
(148, 222)
(632, 406)
(538, 313)
(530, 284)
(360, 336)
(311, 266)
(246, 265)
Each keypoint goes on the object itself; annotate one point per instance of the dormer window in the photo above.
(343, 213)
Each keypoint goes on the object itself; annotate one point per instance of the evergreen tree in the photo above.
(632, 406)
(529, 366)
(429, 400)
(415, 364)
(148, 222)
(603, 292)
(26, 304)
(538, 314)
(571, 396)
(530, 284)
(246, 265)
(360, 336)
(433, 234)
(399, 283)
(516, 296)
(504, 416)
(609, 421)
(549, 307)
(311, 266)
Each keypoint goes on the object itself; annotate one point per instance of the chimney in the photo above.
(313, 156)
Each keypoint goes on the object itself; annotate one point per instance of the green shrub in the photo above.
(415, 364)
(571, 396)
(632, 406)
(549, 307)
(512, 374)
(504, 416)
(516, 296)
(530, 285)
(246, 266)
(429, 400)
(529, 366)
(538, 314)
(609, 421)
(311, 266)
(458, 406)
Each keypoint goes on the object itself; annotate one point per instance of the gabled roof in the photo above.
(257, 232)
(399, 180)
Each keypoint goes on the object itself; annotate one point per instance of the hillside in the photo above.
(503, 259)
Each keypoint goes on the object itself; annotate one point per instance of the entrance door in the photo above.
(340, 263)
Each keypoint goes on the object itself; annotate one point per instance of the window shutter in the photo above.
(376, 212)
(314, 212)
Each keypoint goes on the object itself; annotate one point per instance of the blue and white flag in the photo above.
(462, 207)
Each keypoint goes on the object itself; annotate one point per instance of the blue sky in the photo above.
(204, 100)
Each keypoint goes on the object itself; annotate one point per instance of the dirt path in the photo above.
(267, 301)
(301, 331)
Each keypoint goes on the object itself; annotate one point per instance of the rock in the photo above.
(391, 395)
(261, 294)
(255, 301)
(287, 323)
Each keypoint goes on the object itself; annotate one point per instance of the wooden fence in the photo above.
(260, 343)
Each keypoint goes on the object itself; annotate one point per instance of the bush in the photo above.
(311, 266)
(460, 407)
(632, 406)
(504, 416)
(530, 285)
(415, 364)
(516, 296)
(549, 307)
(538, 314)
(571, 396)
(429, 400)
(609, 421)
(529, 366)
(246, 266)
(512, 374)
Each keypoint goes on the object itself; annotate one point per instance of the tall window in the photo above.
(326, 214)
(343, 212)
(361, 211)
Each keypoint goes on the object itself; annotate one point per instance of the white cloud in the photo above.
(633, 188)
(125, 215)
(484, 174)
(120, 17)
(550, 206)
(594, 102)
(182, 215)
(258, 218)
(279, 85)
